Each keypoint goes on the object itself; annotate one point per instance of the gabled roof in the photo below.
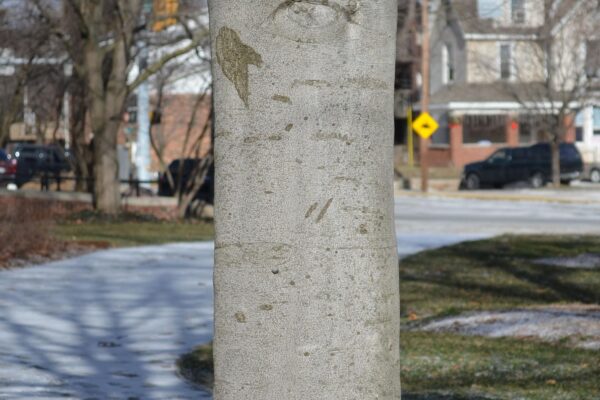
(494, 92)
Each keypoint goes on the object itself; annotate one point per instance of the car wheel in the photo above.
(473, 182)
(595, 176)
(537, 180)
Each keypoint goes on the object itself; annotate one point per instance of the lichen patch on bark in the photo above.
(235, 57)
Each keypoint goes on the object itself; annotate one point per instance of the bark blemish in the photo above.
(266, 307)
(325, 136)
(282, 99)
(324, 210)
(362, 229)
(235, 57)
(311, 209)
(289, 127)
(240, 317)
(306, 354)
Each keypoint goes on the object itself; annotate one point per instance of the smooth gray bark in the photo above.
(306, 274)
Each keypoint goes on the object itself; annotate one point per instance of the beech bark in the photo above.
(306, 273)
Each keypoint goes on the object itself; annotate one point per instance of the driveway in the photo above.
(109, 325)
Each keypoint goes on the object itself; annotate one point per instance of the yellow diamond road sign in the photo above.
(425, 125)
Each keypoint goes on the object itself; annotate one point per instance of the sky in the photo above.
(490, 8)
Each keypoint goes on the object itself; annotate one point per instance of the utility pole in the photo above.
(142, 148)
(142, 153)
(424, 143)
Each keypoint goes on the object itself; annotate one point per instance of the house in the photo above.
(502, 72)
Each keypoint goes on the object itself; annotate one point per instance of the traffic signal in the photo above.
(165, 12)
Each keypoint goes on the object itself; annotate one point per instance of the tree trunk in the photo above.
(555, 149)
(306, 274)
(106, 171)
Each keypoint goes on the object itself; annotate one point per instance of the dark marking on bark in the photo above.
(235, 57)
(289, 127)
(311, 209)
(266, 307)
(306, 354)
(282, 99)
(362, 229)
(240, 317)
(324, 210)
(318, 13)
(275, 137)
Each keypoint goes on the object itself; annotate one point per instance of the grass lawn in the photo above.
(122, 233)
(484, 275)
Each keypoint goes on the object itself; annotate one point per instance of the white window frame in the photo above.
(447, 62)
(513, 12)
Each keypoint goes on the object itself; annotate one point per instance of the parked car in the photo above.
(591, 172)
(8, 169)
(517, 164)
(34, 160)
(188, 170)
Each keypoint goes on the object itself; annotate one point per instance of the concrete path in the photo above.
(110, 325)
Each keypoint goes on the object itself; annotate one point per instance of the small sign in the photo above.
(425, 125)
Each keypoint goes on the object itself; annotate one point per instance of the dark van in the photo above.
(531, 164)
(187, 171)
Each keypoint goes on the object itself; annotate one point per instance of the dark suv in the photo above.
(35, 160)
(187, 171)
(518, 164)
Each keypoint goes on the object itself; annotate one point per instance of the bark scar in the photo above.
(324, 210)
(235, 57)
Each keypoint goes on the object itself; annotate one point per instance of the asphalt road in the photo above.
(427, 215)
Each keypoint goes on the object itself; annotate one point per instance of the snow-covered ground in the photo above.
(110, 325)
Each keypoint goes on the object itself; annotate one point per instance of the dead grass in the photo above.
(25, 229)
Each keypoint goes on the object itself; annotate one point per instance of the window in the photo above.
(448, 64)
(592, 58)
(518, 11)
(404, 76)
(505, 61)
(484, 129)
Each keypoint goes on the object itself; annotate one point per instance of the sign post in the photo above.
(424, 126)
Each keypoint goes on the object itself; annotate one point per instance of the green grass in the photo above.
(497, 368)
(134, 233)
(488, 274)
(496, 274)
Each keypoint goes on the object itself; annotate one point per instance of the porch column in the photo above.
(456, 139)
(570, 132)
(588, 124)
(512, 130)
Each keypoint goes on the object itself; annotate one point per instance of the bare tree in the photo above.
(306, 274)
(548, 76)
(109, 33)
(26, 60)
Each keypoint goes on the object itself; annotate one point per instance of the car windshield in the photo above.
(499, 156)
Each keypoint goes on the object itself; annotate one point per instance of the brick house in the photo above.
(489, 86)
